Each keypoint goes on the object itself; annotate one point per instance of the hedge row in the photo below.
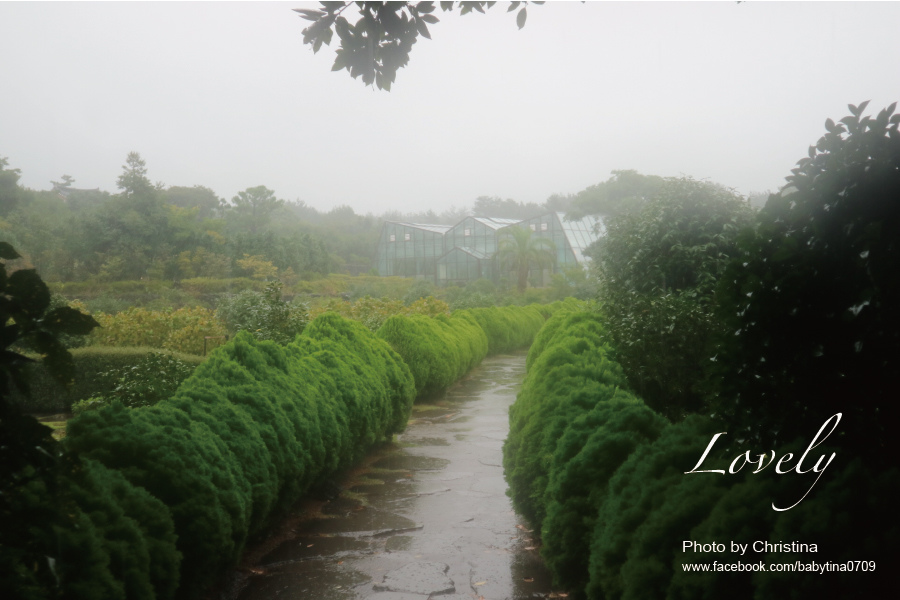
(255, 427)
(603, 478)
(49, 396)
(508, 327)
(439, 350)
(442, 349)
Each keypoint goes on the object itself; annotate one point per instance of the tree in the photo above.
(254, 206)
(265, 315)
(658, 269)
(626, 191)
(812, 300)
(65, 184)
(494, 206)
(199, 197)
(133, 180)
(381, 40)
(518, 251)
(10, 193)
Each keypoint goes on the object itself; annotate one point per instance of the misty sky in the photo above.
(227, 96)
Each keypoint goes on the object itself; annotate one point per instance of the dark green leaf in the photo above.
(7, 252)
(68, 320)
(29, 291)
(308, 14)
(422, 28)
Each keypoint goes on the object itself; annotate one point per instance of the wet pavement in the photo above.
(426, 516)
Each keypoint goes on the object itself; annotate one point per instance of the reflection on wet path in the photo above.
(425, 516)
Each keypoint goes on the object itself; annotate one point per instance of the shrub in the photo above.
(47, 395)
(438, 350)
(509, 327)
(558, 388)
(422, 288)
(651, 507)
(812, 302)
(181, 330)
(254, 427)
(658, 268)
(265, 315)
(154, 378)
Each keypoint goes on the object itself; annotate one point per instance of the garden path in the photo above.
(425, 517)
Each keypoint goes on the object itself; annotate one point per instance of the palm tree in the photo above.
(518, 251)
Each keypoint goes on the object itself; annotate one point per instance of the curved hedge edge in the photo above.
(247, 434)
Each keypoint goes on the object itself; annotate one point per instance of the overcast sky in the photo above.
(227, 96)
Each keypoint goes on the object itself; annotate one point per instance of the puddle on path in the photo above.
(435, 498)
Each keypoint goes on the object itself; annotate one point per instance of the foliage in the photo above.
(373, 312)
(508, 327)
(255, 206)
(31, 466)
(124, 544)
(602, 477)
(155, 378)
(47, 395)
(252, 429)
(258, 267)
(181, 330)
(133, 180)
(623, 193)
(650, 509)
(480, 293)
(493, 206)
(574, 282)
(572, 426)
(28, 322)
(69, 340)
(421, 288)
(518, 251)
(812, 301)
(9, 187)
(265, 315)
(438, 350)
(658, 268)
(381, 40)
(578, 346)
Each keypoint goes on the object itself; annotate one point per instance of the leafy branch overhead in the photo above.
(380, 41)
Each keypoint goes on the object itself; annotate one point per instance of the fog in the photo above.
(226, 95)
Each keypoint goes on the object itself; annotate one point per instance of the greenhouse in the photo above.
(468, 250)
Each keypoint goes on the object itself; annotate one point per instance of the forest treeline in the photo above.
(155, 232)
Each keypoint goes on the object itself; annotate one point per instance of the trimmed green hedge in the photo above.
(442, 349)
(438, 350)
(256, 426)
(573, 424)
(508, 327)
(48, 396)
(602, 476)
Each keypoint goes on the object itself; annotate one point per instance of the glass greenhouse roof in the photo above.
(495, 222)
(442, 229)
(581, 233)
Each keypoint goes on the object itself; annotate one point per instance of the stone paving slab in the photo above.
(418, 578)
(398, 596)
